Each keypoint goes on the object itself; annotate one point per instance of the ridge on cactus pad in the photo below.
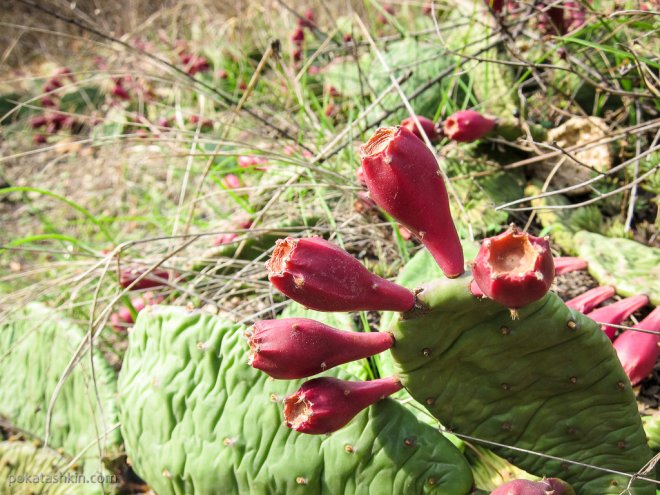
(549, 382)
(198, 420)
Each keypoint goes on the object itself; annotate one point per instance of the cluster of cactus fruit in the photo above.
(545, 369)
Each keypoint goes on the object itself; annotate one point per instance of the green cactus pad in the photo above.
(652, 430)
(42, 466)
(36, 344)
(196, 419)
(549, 382)
(632, 268)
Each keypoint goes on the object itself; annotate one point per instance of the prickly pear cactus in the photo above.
(524, 382)
(196, 418)
(36, 345)
(632, 268)
(44, 468)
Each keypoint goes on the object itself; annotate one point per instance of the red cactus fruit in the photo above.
(324, 405)
(292, 348)
(590, 299)
(155, 278)
(566, 264)
(39, 139)
(615, 314)
(549, 486)
(427, 125)
(404, 180)
(322, 276)
(363, 203)
(467, 126)
(308, 21)
(347, 37)
(38, 121)
(638, 351)
(120, 92)
(496, 5)
(47, 102)
(298, 36)
(514, 268)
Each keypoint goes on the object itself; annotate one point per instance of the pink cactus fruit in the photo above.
(291, 348)
(428, 127)
(466, 126)
(590, 299)
(156, 278)
(566, 264)
(638, 351)
(322, 276)
(549, 486)
(514, 268)
(252, 161)
(324, 405)
(404, 180)
(231, 181)
(615, 314)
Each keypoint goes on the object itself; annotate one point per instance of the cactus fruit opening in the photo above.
(512, 255)
(514, 268)
(283, 248)
(297, 411)
(378, 141)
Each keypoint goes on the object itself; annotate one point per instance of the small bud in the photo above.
(467, 126)
(324, 405)
(514, 268)
(291, 348)
(324, 277)
(617, 313)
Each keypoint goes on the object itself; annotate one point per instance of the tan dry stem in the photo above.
(378, 141)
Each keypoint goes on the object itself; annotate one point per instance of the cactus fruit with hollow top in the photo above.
(404, 180)
(514, 268)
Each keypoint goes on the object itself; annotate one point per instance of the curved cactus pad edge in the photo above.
(548, 382)
(196, 417)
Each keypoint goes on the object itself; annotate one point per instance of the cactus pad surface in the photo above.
(632, 268)
(548, 381)
(36, 345)
(24, 458)
(187, 394)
